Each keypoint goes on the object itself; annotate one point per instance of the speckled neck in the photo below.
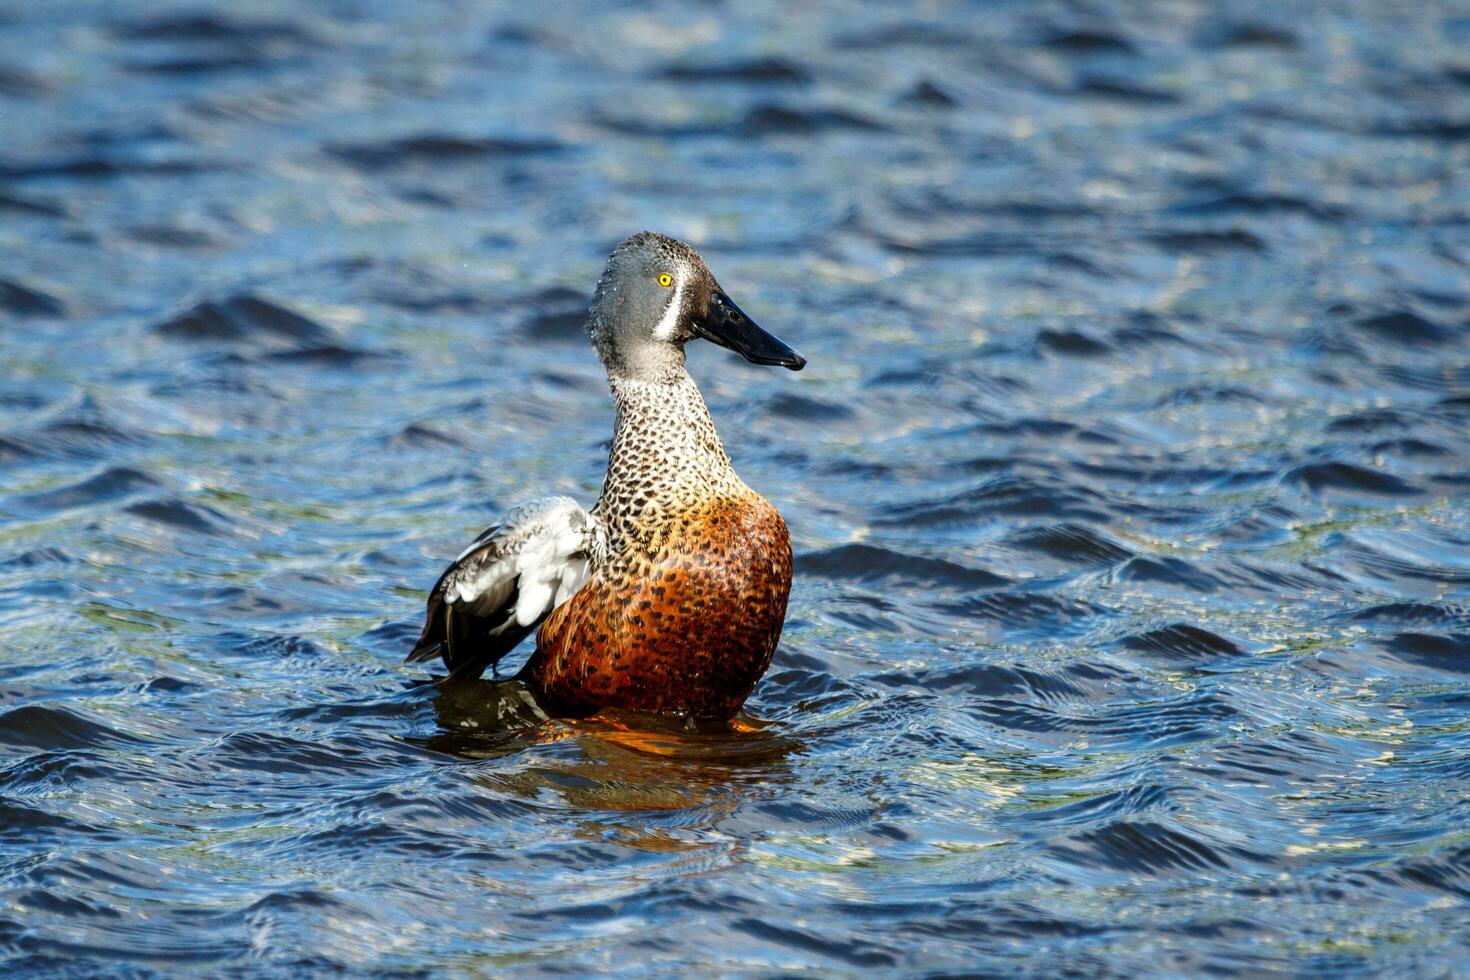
(666, 459)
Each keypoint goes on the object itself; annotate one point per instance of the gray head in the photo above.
(655, 296)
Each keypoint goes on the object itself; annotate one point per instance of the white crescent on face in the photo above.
(664, 329)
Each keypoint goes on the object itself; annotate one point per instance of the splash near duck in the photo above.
(669, 595)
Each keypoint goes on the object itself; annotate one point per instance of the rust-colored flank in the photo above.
(689, 628)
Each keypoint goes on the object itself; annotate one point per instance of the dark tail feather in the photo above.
(467, 645)
(426, 650)
(432, 640)
(476, 655)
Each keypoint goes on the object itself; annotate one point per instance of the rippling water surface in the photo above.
(1128, 483)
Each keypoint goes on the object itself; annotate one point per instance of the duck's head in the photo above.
(655, 296)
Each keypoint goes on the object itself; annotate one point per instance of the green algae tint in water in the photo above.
(1127, 482)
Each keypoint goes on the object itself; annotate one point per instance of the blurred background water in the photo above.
(1131, 628)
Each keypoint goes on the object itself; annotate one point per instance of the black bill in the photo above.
(727, 325)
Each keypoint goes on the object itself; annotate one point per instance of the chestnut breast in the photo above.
(684, 620)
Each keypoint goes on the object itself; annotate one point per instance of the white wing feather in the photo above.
(539, 550)
(505, 583)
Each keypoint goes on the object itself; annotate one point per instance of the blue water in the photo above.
(1128, 483)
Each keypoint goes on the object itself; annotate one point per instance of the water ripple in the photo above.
(1127, 483)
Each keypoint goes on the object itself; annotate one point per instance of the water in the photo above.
(1131, 626)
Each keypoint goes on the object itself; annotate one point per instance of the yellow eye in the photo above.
(665, 280)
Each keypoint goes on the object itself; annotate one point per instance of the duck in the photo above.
(668, 597)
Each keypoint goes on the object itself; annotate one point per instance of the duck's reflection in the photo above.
(651, 782)
(483, 719)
